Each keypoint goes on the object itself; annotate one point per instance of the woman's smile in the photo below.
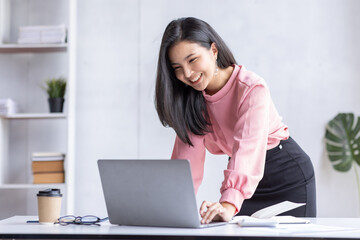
(197, 79)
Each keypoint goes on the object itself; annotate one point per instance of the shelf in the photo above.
(31, 186)
(29, 48)
(34, 128)
(34, 116)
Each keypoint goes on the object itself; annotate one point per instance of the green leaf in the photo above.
(356, 129)
(343, 166)
(332, 137)
(335, 158)
(333, 148)
(56, 87)
(347, 121)
(343, 141)
(357, 153)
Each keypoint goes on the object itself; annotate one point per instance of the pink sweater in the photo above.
(245, 123)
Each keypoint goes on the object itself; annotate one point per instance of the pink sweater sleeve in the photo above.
(195, 154)
(246, 166)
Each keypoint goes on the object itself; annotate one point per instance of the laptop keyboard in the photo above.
(213, 224)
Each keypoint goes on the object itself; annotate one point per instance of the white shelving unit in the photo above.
(33, 48)
(32, 186)
(31, 121)
(35, 116)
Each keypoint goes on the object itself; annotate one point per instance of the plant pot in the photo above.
(56, 104)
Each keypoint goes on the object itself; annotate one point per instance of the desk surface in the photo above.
(319, 228)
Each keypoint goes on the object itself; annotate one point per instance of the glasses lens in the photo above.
(67, 219)
(89, 219)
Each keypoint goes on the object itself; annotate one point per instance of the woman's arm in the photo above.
(246, 166)
(195, 154)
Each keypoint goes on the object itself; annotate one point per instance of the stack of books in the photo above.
(48, 167)
(42, 34)
(8, 106)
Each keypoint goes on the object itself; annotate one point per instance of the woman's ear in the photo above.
(214, 49)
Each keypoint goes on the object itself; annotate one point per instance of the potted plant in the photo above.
(55, 88)
(343, 143)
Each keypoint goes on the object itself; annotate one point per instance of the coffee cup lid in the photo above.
(50, 192)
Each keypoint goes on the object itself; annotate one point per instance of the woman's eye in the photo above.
(176, 68)
(193, 60)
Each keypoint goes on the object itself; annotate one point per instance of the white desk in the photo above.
(319, 228)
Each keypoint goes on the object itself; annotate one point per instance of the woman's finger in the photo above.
(204, 206)
(212, 210)
(206, 210)
(214, 213)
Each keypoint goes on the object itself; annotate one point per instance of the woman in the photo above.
(212, 103)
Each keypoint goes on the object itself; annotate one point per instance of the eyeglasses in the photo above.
(85, 220)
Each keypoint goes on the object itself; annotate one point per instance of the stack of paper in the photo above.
(267, 217)
(42, 34)
(8, 106)
(48, 167)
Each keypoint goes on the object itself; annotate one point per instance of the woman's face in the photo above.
(193, 64)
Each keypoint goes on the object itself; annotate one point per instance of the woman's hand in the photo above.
(215, 211)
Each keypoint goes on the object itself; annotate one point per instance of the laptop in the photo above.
(157, 193)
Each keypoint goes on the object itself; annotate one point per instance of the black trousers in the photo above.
(289, 175)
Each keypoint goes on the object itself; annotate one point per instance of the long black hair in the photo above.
(180, 107)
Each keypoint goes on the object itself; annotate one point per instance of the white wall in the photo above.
(308, 52)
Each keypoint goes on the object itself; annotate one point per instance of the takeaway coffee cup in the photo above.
(49, 205)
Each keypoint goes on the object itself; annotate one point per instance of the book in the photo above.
(267, 217)
(48, 158)
(48, 154)
(54, 177)
(47, 166)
